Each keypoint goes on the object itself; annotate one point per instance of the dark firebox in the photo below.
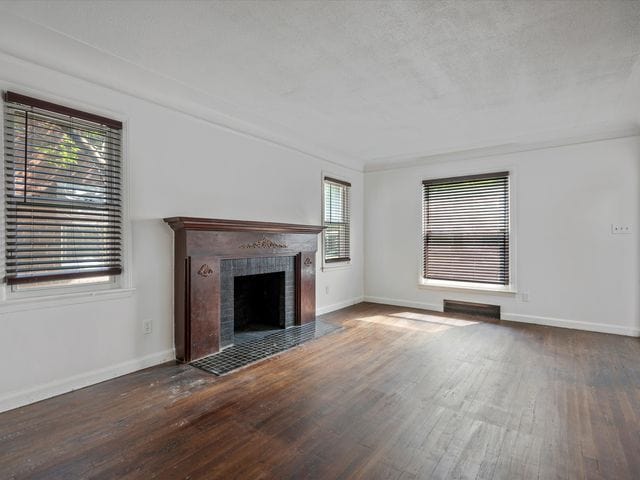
(259, 302)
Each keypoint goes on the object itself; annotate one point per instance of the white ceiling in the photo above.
(381, 82)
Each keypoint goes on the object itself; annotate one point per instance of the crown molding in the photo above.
(539, 142)
(33, 43)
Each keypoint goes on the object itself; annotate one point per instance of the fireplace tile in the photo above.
(241, 355)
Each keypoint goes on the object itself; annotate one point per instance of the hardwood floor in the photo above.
(397, 394)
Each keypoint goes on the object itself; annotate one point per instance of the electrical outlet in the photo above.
(617, 229)
(525, 296)
(147, 326)
(326, 289)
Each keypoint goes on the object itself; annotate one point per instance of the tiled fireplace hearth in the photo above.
(223, 266)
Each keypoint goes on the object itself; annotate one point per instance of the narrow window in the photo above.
(337, 221)
(466, 229)
(63, 201)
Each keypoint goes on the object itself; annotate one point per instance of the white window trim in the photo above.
(465, 286)
(346, 263)
(60, 299)
(510, 289)
(48, 296)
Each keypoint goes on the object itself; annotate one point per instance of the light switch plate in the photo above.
(617, 229)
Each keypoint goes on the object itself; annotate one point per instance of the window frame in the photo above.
(449, 285)
(340, 179)
(24, 296)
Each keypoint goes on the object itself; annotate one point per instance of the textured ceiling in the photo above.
(383, 81)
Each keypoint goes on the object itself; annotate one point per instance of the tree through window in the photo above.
(63, 192)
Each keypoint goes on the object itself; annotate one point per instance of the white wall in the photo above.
(576, 273)
(178, 165)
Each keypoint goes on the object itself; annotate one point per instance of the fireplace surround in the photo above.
(209, 254)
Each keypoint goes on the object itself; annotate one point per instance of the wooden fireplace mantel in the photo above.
(218, 225)
(202, 243)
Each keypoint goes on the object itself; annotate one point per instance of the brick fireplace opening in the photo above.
(258, 302)
(257, 295)
(211, 259)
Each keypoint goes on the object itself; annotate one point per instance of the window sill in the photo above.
(470, 287)
(336, 265)
(52, 301)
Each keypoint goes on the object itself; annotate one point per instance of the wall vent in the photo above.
(468, 308)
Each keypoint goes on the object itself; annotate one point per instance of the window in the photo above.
(466, 229)
(337, 221)
(62, 193)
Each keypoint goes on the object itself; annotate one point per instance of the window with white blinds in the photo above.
(62, 192)
(466, 229)
(337, 221)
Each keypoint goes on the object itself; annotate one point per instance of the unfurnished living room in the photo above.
(319, 240)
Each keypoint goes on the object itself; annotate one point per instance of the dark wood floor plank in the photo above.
(398, 394)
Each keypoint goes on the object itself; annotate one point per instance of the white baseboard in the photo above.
(573, 324)
(516, 317)
(338, 306)
(24, 397)
(404, 303)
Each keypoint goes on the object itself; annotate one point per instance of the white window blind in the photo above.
(466, 229)
(337, 221)
(62, 192)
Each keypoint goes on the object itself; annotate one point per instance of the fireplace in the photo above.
(233, 276)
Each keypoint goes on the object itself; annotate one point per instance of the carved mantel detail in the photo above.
(264, 242)
(205, 271)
